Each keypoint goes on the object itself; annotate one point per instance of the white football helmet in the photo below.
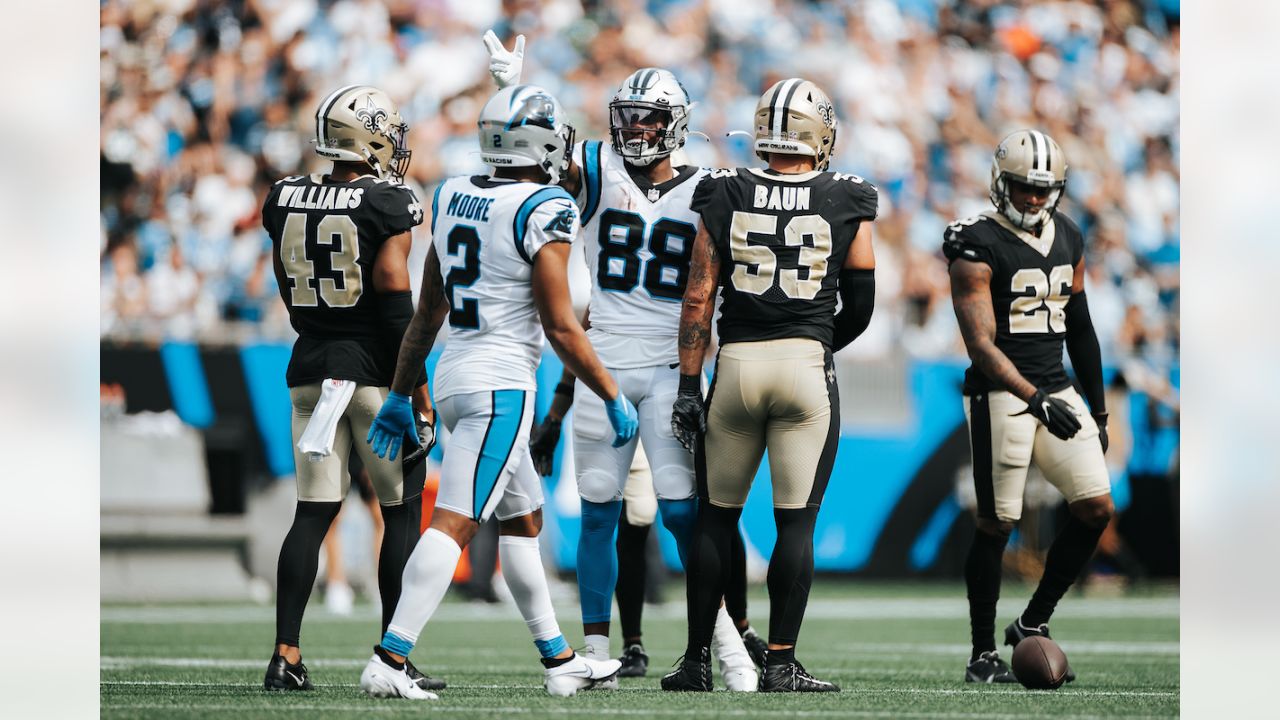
(1031, 158)
(359, 123)
(795, 117)
(646, 97)
(524, 126)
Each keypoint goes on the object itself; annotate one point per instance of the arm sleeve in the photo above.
(858, 296)
(398, 208)
(545, 217)
(395, 311)
(1086, 356)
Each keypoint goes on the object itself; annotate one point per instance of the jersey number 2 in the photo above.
(1027, 313)
(756, 266)
(465, 240)
(340, 234)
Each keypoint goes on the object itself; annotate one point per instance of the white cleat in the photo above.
(380, 680)
(736, 668)
(580, 673)
(590, 652)
(743, 679)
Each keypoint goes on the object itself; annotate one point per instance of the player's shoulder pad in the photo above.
(711, 186)
(969, 238)
(1068, 230)
(398, 203)
(863, 193)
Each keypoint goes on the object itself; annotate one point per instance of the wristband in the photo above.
(690, 384)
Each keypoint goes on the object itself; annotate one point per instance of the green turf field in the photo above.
(897, 650)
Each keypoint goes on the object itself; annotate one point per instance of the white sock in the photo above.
(599, 645)
(427, 576)
(522, 569)
(727, 644)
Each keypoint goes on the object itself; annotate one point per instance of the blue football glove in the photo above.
(623, 418)
(392, 425)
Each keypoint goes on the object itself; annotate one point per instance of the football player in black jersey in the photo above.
(1017, 284)
(783, 242)
(341, 246)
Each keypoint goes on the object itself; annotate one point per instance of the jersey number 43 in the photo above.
(334, 235)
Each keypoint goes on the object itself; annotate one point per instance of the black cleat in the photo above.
(1016, 632)
(792, 677)
(283, 676)
(635, 663)
(756, 647)
(988, 668)
(693, 675)
(424, 681)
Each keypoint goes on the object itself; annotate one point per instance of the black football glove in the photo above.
(426, 440)
(542, 445)
(1055, 413)
(689, 414)
(1101, 419)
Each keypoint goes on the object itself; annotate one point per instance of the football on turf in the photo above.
(1039, 663)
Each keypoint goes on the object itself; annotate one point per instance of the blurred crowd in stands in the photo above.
(205, 103)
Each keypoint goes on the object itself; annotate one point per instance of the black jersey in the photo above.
(782, 240)
(1030, 285)
(326, 237)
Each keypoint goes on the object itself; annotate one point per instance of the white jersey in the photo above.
(639, 238)
(486, 232)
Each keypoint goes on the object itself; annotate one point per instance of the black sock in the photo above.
(633, 568)
(555, 662)
(790, 573)
(299, 561)
(982, 571)
(708, 571)
(386, 657)
(780, 657)
(400, 531)
(735, 595)
(1067, 557)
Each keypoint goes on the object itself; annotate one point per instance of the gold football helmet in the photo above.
(359, 123)
(1032, 158)
(795, 117)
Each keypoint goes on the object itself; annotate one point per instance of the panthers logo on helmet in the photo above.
(373, 117)
(536, 109)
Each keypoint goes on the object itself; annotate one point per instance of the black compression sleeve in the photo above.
(1086, 356)
(395, 311)
(858, 294)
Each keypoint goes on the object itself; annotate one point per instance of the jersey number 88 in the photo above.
(665, 274)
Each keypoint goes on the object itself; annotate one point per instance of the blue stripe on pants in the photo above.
(499, 439)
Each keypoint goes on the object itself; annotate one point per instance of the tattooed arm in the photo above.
(699, 303)
(971, 297)
(433, 307)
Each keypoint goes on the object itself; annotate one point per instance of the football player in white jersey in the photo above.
(639, 235)
(498, 263)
